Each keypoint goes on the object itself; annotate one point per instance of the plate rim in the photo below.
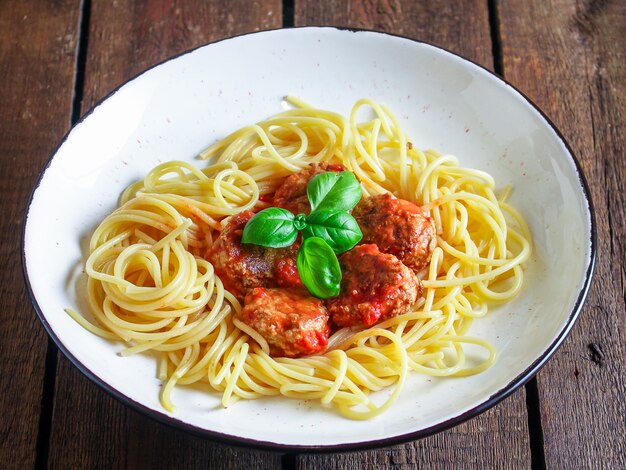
(228, 439)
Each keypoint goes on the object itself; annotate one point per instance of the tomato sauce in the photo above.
(286, 273)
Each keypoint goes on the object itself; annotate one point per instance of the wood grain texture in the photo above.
(37, 54)
(498, 438)
(460, 26)
(89, 428)
(569, 57)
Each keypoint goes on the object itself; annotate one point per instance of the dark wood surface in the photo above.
(37, 72)
(58, 58)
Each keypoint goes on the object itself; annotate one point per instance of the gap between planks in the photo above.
(48, 389)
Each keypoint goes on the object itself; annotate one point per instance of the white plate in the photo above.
(175, 110)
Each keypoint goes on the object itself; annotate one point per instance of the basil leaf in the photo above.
(319, 268)
(272, 227)
(337, 228)
(337, 191)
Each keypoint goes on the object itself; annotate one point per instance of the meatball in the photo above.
(398, 227)
(292, 322)
(291, 195)
(242, 267)
(374, 286)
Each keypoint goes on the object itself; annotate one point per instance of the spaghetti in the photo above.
(150, 286)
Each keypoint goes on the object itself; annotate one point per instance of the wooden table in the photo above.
(57, 58)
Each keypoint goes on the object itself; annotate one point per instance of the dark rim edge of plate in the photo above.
(229, 439)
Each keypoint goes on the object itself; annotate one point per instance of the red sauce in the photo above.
(377, 301)
(313, 341)
(269, 198)
(335, 167)
(286, 273)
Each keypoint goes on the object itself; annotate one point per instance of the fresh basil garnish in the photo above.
(334, 191)
(319, 268)
(300, 222)
(328, 229)
(272, 227)
(337, 228)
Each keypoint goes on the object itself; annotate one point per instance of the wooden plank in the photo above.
(498, 438)
(568, 56)
(460, 26)
(37, 57)
(90, 429)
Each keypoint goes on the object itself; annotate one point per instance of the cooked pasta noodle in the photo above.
(150, 286)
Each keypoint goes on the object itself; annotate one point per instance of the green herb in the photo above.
(333, 191)
(273, 227)
(337, 228)
(328, 229)
(318, 268)
(300, 221)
